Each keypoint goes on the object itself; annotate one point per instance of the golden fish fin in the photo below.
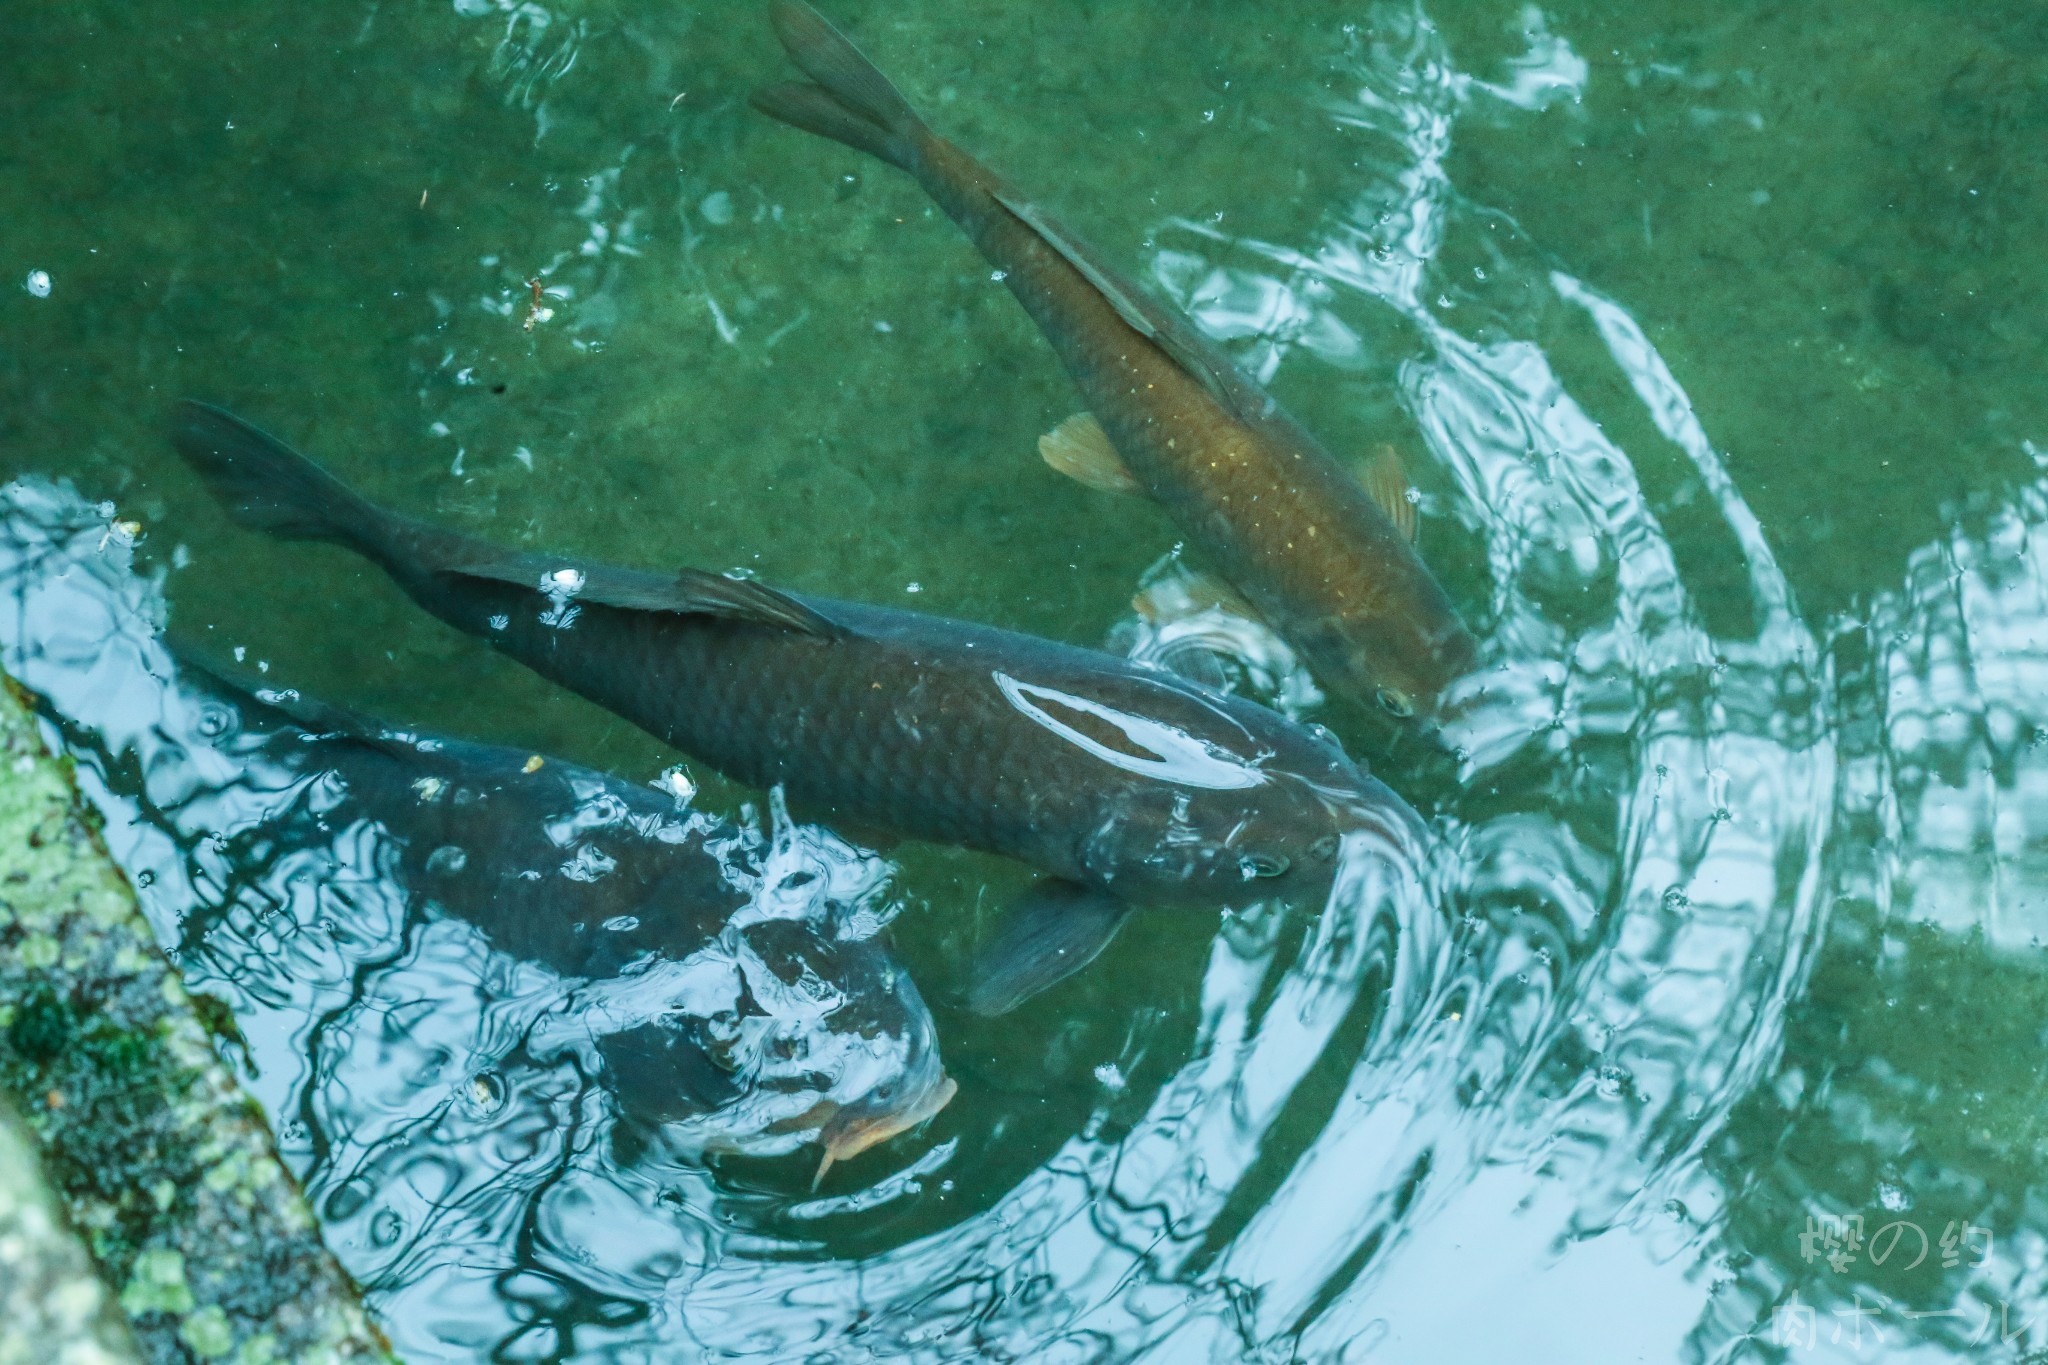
(1165, 327)
(1079, 448)
(1187, 592)
(687, 592)
(1386, 483)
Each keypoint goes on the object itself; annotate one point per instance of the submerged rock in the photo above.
(162, 1164)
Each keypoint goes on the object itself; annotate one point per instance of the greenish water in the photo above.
(1712, 335)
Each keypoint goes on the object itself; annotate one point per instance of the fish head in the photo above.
(780, 1030)
(864, 1050)
(1399, 664)
(1277, 835)
(894, 1107)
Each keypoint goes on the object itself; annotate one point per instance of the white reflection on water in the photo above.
(1951, 777)
(431, 1087)
(1640, 914)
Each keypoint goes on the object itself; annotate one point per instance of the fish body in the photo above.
(1273, 511)
(610, 883)
(1104, 774)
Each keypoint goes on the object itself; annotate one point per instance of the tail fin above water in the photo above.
(852, 102)
(264, 484)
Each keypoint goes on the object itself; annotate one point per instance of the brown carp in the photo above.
(1127, 785)
(1326, 558)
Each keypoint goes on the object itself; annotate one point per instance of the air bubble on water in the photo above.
(38, 283)
(386, 1228)
(676, 781)
(346, 1201)
(1893, 1197)
(486, 1093)
(1111, 1075)
(447, 860)
(716, 208)
(622, 924)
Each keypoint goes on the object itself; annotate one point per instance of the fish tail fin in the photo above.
(267, 486)
(852, 101)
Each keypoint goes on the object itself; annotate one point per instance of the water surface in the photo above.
(1711, 337)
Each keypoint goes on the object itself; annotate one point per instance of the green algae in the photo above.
(51, 1300)
(164, 1167)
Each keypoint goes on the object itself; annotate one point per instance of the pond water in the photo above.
(1711, 1026)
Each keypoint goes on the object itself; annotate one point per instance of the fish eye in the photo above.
(1254, 865)
(1395, 703)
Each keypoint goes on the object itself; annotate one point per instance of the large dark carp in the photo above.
(1330, 564)
(1127, 785)
(711, 1007)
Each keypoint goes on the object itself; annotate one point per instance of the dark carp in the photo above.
(1324, 553)
(713, 1006)
(1125, 784)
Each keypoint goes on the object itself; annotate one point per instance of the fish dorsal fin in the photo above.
(687, 592)
(1386, 483)
(1165, 327)
(1079, 448)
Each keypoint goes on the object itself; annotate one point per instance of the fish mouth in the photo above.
(851, 1131)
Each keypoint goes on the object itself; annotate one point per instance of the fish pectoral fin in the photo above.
(1165, 327)
(1079, 448)
(1189, 592)
(687, 592)
(1386, 483)
(1054, 930)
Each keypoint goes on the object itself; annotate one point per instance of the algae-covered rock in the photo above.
(53, 1304)
(163, 1166)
